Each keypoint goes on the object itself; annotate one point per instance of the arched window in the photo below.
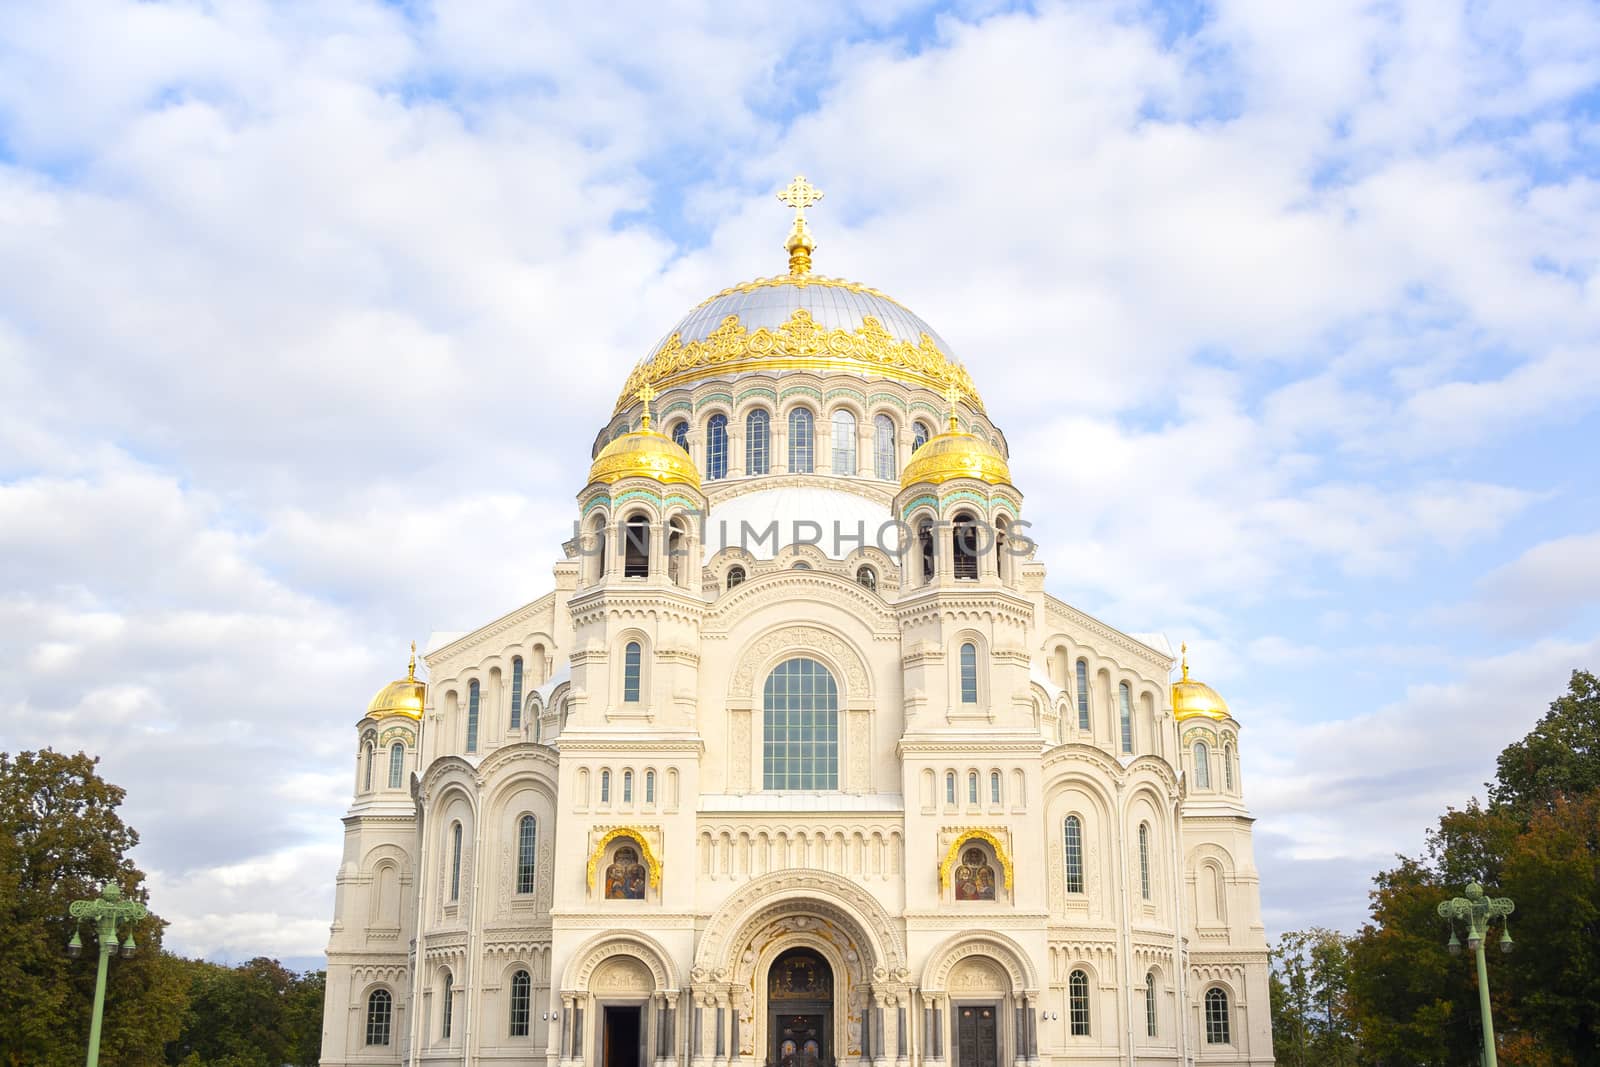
(1150, 1004)
(1001, 528)
(969, 673)
(677, 538)
(680, 434)
(950, 787)
(397, 764)
(527, 852)
(994, 787)
(627, 787)
(521, 988)
(605, 787)
(1144, 860)
(636, 547)
(883, 448)
(844, 442)
(380, 1008)
(1202, 765)
(1125, 716)
(516, 692)
(1227, 765)
(919, 434)
(867, 578)
(757, 442)
(632, 658)
(1072, 850)
(649, 787)
(735, 576)
(600, 535)
(964, 546)
(925, 548)
(801, 727)
(717, 447)
(1083, 695)
(455, 861)
(367, 775)
(448, 1004)
(801, 442)
(473, 694)
(972, 787)
(1217, 1028)
(1078, 1003)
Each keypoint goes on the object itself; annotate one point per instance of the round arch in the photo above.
(790, 892)
(602, 947)
(840, 656)
(989, 944)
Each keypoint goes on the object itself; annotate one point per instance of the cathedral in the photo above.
(797, 763)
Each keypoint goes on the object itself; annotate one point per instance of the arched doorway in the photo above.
(800, 1010)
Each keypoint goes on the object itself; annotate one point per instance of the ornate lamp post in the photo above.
(107, 912)
(1476, 910)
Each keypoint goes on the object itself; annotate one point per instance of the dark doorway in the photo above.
(800, 1010)
(976, 1045)
(620, 1039)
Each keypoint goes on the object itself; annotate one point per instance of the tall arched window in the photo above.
(925, 548)
(1150, 1004)
(1083, 695)
(800, 741)
(380, 1009)
(969, 673)
(516, 692)
(972, 787)
(627, 787)
(1078, 1003)
(717, 447)
(473, 695)
(1072, 850)
(1144, 860)
(1125, 716)
(366, 780)
(447, 1009)
(605, 787)
(964, 545)
(521, 988)
(801, 442)
(757, 442)
(649, 787)
(455, 861)
(600, 537)
(883, 448)
(950, 787)
(677, 539)
(735, 576)
(1202, 765)
(632, 666)
(919, 434)
(994, 787)
(844, 442)
(680, 434)
(1217, 1021)
(1227, 765)
(397, 764)
(527, 852)
(636, 547)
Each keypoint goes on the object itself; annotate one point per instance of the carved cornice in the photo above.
(1071, 616)
(467, 642)
(761, 590)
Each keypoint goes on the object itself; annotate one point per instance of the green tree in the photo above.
(1310, 1009)
(258, 1014)
(61, 839)
(1559, 757)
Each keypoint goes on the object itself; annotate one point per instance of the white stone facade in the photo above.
(749, 892)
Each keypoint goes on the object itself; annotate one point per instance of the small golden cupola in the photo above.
(955, 454)
(644, 453)
(404, 697)
(1194, 700)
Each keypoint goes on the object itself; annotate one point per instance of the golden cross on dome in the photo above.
(411, 671)
(800, 194)
(646, 393)
(952, 394)
(1184, 648)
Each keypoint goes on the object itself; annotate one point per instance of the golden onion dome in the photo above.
(956, 454)
(1194, 700)
(644, 453)
(404, 697)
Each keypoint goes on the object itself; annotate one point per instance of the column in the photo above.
(657, 557)
(566, 1027)
(880, 1016)
(866, 448)
(736, 457)
(778, 459)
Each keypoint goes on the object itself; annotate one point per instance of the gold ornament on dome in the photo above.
(1196, 700)
(799, 344)
(404, 697)
(955, 454)
(644, 453)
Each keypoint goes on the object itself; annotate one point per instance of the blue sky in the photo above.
(308, 314)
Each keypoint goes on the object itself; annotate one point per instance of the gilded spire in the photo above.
(411, 669)
(1184, 648)
(800, 194)
(646, 394)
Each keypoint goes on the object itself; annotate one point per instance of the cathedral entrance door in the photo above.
(622, 1037)
(800, 1010)
(976, 1044)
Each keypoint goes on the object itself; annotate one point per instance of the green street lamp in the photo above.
(1476, 910)
(107, 912)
